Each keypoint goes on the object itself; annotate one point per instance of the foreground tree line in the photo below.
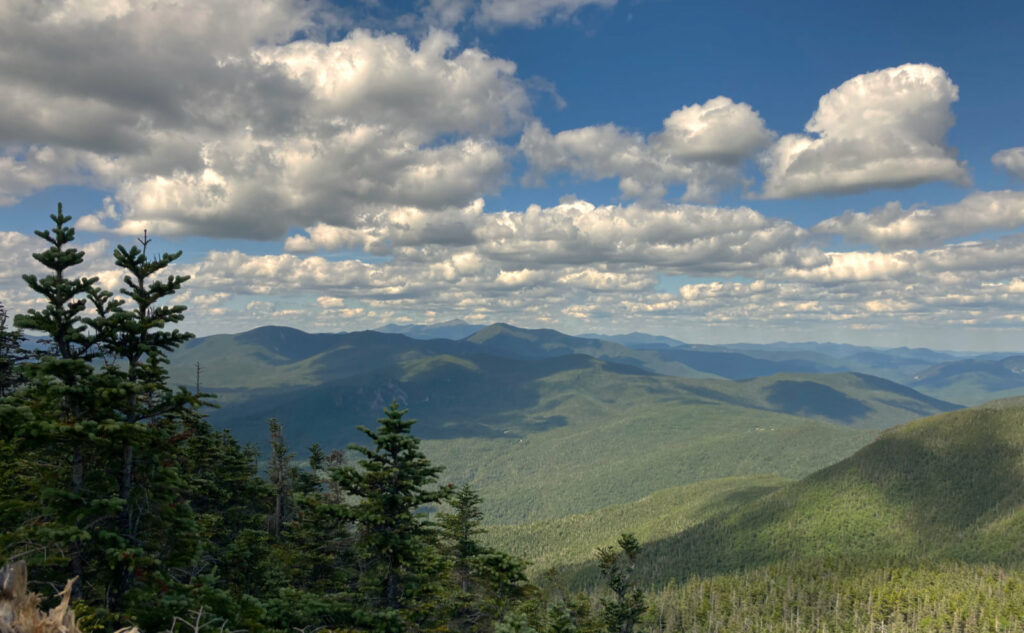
(114, 477)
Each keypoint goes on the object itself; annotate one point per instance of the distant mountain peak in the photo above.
(454, 329)
(638, 340)
(532, 335)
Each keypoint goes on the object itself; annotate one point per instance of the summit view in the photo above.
(511, 316)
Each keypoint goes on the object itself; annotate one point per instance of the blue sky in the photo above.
(727, 171)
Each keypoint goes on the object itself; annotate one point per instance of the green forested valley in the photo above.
(541, 429)
(918, 531)
(552, 484)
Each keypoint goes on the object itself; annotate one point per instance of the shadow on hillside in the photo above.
(658, 556)
(936, 490)
(714, 395)
(736, 366)
(950, 481)
(479, 396)
(915, 396)
(811, 399)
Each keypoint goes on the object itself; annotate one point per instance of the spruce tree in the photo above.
(104, 428)
(320, 535)
(560, 619)
(395, 542)
(280, 475)
(148, 413)
(459, 531)
(316, 553)
(486, 583)
(12, 354)
(16, 476)
(59, 419)
(624, 609)
(226, 495)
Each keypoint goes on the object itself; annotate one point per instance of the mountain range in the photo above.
(963, 377)
(819, 486)
(545, 424)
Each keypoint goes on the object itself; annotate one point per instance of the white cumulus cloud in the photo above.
(881, 129)
(700, 145)
(682, 237)
(892, 226)
(1012, 160)
(212, 119)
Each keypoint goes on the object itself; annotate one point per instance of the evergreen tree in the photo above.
(560, 619)
(102, 437)
(486, 583)
(459, 531)
(320, 534)
(12, 355)
(280, 475)
(16, 475)
(316, 552)
(396, 555)
(59, 417)
(228, 498)
(147, 415)
(515, 622)
(229, 503)
(622, 612)
(112, 475)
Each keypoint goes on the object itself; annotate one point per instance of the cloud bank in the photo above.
(701, 146)
(211, 120)
(371, 158)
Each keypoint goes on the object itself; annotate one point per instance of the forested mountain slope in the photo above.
(572, 540)
(507, 340)
(480, 385)
(539, 427)
(973, 381)
(945, 488)
(549, 437)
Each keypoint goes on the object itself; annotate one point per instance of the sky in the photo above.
(712, 171)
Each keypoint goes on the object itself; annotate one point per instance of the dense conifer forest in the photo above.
(113, 476)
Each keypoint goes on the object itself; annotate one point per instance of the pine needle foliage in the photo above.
(113, 476)
(623, 610)
(12, 354)
(391, 486)
(485, 583)
(58, 421)
(96, 396)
